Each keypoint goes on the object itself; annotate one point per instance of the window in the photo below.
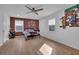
(19, 25)
(51, 24)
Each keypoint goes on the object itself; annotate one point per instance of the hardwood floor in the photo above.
(20, 46)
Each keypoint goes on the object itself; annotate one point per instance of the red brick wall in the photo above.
(28, 23)
(12, 24)
(31, 24)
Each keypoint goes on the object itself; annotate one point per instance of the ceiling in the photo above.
(19, 10)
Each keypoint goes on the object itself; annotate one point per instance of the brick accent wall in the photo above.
(31, 24)
(12, 24)
(28, 23)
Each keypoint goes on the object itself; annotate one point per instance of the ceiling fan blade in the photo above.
(36, 13)
(28, 7)
(39, 9)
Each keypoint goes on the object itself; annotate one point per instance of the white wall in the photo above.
(4, 27)
(1, 29)
(68, 36)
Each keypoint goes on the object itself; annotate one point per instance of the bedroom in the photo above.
(17, 17)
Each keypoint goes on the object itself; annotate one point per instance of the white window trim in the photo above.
(19, 24)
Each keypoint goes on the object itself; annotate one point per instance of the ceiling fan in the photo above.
(33, 9)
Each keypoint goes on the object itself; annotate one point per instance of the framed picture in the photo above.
(71, 17)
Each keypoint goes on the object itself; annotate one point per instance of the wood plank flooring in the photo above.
(20, 46)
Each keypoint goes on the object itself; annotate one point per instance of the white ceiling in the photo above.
(19, 10)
